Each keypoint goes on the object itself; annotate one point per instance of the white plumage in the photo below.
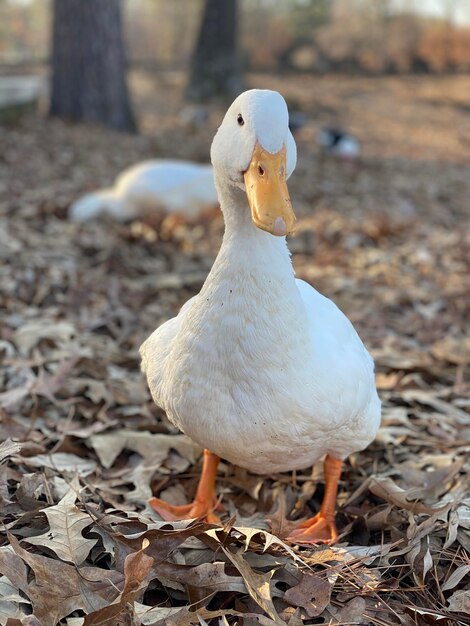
(259, 367)
(161, 185)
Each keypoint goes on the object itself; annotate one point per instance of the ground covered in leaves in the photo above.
(84, 447)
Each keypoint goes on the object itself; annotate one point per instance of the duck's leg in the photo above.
(322, 527)
(205, 501)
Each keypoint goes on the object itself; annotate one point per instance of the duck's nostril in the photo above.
(260, 170)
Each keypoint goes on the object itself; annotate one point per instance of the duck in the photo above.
(170, 186)
(259, 368)
(338, 143)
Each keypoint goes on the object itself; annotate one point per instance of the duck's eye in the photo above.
(240, 120)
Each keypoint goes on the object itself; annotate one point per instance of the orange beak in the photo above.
(268, 196)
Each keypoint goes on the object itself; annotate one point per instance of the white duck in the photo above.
(181, 187)
(259, 368)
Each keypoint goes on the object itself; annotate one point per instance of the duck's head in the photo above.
(254, 150)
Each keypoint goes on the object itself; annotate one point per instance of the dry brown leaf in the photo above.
(268, 540)
(453, 349)
(257, 585)
(10, 601)
(13, 568)
(452, 528)
(431, 399)
(312, 593)
(387, 489)
(25, 620)
(31, 333)
(162, 542)
(9, 448)
(48, 385)
(210, 577)
(62, 462)
(136, 569)
(352, 612)
(281, 526)
(153, 448)
(455, 577)
(295, 619)
(150, 615)
(427, 564)
(460, 601)
(59, 588)
(188, 617)
(66, 523)
(10, 399)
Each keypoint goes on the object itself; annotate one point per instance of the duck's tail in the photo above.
(98, 203)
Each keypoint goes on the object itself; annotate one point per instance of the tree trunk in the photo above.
(215, 65)
(88, 64)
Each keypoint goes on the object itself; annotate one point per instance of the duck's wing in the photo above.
(156, 348)
(343, 367)
(327, 322)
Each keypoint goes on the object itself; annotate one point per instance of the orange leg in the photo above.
(205, 501)
(322, 527)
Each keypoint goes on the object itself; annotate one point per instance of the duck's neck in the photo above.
(245, 244)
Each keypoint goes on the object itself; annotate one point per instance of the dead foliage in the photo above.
(84, 447)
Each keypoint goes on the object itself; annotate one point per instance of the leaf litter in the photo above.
(84, 447)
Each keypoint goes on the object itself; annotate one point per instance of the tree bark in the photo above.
(88, 64)
(215, 64)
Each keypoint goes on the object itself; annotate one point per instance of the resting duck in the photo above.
(336, 142)
(179, 187)
(259, 368)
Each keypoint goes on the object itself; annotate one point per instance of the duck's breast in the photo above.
(269, 382)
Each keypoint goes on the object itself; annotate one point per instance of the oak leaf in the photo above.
(66, 523)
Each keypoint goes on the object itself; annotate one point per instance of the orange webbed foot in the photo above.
(205, 502)
(172, 513)
(322, 527)
(315, 530)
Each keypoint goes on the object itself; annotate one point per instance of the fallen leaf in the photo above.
(352, 612)
(66, 523)
(153, 448)
(188, 617)
(136, 569)
(59, 588)
(312, 593)
(387, 489)
(10, 601)
(48, 385)
(257, 585)
(31, 333)
(455, 577)
(62, 462)
(210, 577)
(11, 398)
(453, 349)
(12, 566)
(9, 448)
(460, 601)
(269, 540)
(162, 542)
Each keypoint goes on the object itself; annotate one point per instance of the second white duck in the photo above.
(181, 187)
